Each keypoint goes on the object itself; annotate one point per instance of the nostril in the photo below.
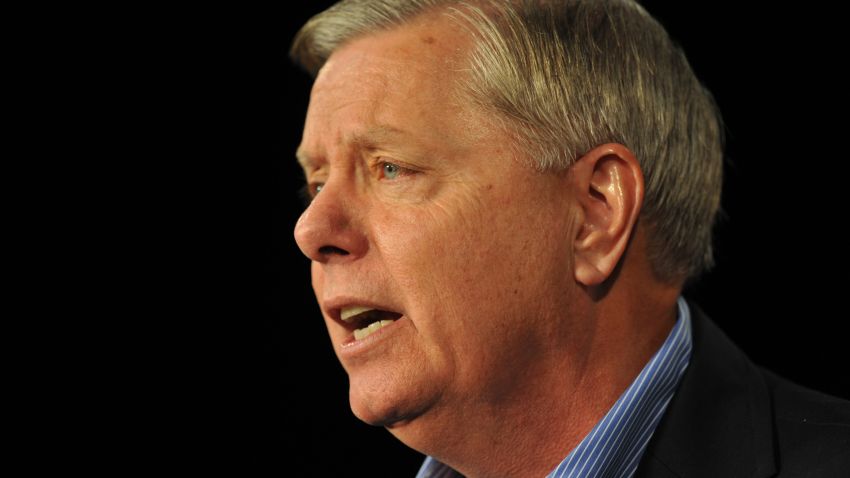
(327, 250)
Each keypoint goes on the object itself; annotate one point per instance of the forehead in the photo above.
(404, 78)
(432, 43)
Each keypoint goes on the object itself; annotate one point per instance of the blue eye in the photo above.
(391, 171)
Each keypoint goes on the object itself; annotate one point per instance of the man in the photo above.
(507, 200)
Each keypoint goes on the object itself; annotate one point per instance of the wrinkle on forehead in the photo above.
(407, 77)
(431, 43)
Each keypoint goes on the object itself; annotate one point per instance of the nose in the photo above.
(328, 230)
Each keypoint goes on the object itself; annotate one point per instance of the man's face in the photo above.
(426, 214)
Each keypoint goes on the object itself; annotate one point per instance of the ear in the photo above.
(608, 186)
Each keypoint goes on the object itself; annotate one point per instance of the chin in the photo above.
(390, 404)
(379, 409)
(413, 426)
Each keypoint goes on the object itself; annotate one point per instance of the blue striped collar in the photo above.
(614, 447)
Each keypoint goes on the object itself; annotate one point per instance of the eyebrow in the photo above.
(303, 159)
(368, 139)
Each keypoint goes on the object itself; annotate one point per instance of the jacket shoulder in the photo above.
(812, 429)
(731, 418)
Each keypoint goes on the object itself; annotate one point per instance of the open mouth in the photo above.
(365, 321)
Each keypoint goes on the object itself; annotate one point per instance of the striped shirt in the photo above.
(614, 447)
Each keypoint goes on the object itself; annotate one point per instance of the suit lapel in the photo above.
(719, 421)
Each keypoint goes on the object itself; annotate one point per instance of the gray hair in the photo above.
(566, 76)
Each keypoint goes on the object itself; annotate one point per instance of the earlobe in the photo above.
(609, 189)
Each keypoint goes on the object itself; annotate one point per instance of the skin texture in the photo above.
(528, 306)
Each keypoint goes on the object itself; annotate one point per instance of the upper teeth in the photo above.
(347, 314)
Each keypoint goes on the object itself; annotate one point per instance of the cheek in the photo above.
(472, 240)
(491, 249)
(456, 257)
(429, 246)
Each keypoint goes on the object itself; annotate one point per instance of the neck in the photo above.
(529, 428)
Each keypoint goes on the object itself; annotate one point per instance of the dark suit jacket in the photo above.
(731, 418)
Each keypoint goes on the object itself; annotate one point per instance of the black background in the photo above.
(251, 382)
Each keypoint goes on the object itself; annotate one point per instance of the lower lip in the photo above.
(351, 346)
